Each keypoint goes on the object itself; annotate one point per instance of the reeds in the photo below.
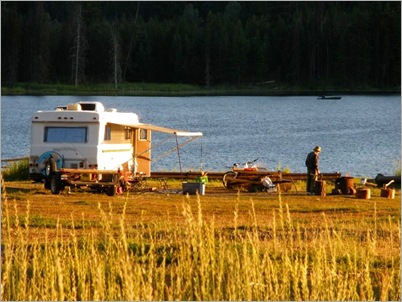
(18, 170)
(195, 260)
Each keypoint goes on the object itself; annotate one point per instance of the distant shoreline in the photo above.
(151, 89)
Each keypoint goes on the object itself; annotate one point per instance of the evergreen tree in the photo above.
(349, 44)
(11, 31)
(79, 45)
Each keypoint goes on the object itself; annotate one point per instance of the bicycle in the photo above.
(236, 168)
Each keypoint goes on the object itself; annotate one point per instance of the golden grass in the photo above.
(219, 246)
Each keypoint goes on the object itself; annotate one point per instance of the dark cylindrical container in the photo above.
(345, 184)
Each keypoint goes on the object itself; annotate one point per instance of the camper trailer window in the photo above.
(143, 134)
(108, 133)
(127, 132)
(65, 134)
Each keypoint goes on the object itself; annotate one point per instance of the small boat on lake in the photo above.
(331, 97)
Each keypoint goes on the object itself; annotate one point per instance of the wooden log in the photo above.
(274, 175)
(320, 187)
(363, 193)
(388, 193)
(93, 171)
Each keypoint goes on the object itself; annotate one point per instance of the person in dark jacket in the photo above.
(312, 168)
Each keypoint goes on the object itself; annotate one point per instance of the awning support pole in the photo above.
(178, 155)
(201, 159)
(174, 149)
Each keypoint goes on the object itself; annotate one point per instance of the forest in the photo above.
(350, 44)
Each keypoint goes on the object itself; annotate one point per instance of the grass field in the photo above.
(223, 245)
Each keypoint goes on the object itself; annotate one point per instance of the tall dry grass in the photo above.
(194, 260)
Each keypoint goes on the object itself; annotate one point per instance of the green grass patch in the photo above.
(18, 170)
(173, 89)
(102, 89)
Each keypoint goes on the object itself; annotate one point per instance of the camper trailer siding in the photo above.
(84, 139)
(143, 150)
(77, 153)
(116, 134)
(116, 148)
(83, 144)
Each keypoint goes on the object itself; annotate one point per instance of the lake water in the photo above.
(359, 135)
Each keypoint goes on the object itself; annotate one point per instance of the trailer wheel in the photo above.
(227, 178)
(50, 167)
(111, 191)
(55, 184)
(47, 184)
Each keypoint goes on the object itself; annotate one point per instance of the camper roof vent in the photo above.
(75, 107)
(92, 106)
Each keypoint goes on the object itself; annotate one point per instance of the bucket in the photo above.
(86, 176)
(193, 188)
(363, 193)
(388, 193)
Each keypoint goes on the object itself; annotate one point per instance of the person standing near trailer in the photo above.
(312, 162)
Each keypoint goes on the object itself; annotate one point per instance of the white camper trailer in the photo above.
(84, 144)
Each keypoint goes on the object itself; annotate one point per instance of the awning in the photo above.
(163, 129)
(190, 136)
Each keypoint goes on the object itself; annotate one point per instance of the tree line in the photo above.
(348, 44)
